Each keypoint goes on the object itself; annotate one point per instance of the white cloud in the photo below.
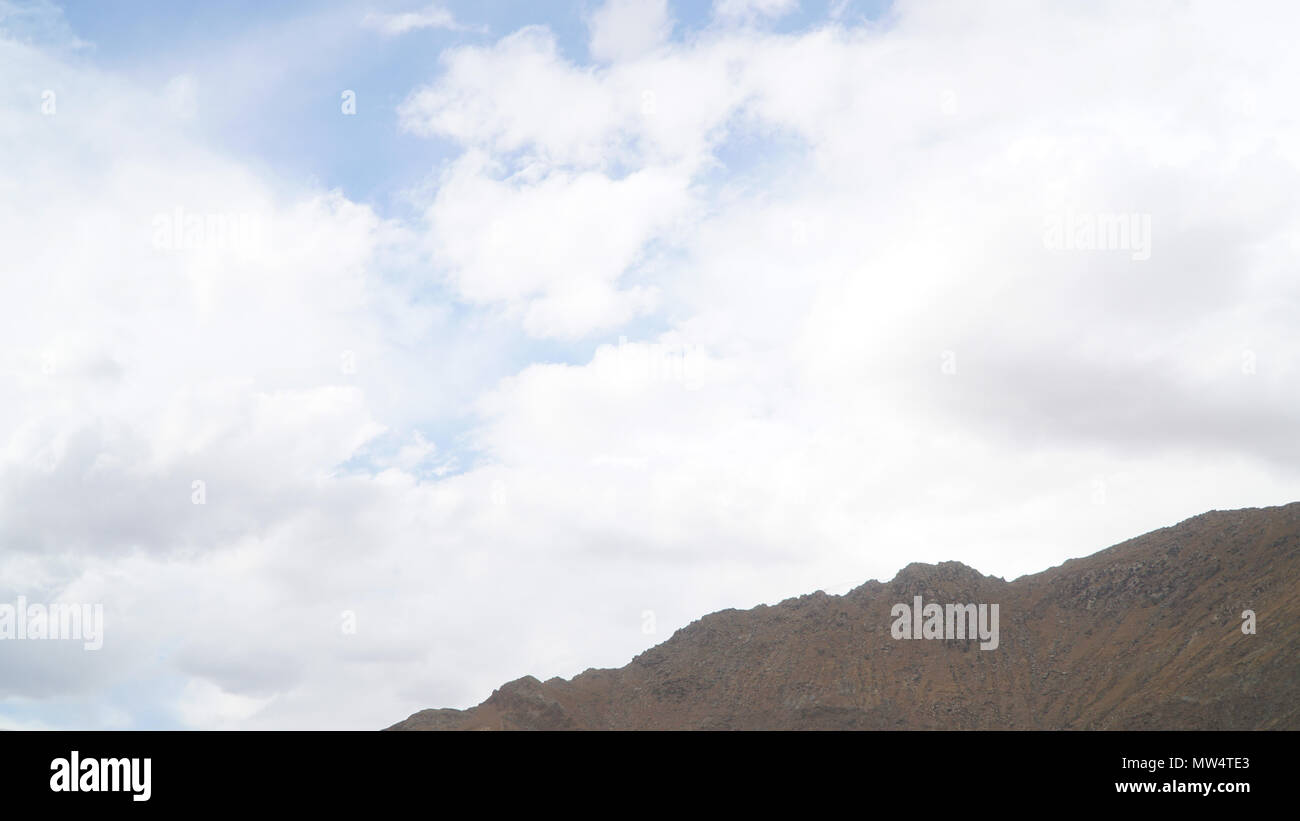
(203, 704)
(38, 22)
(552, 247)
(521, 96)
(138, 362)
(431, 17)
(181, 94)
(748, 10)
(626, 29)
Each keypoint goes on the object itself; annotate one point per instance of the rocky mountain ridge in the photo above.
(1146, 634)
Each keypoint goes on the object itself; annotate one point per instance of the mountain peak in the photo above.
(943, 572)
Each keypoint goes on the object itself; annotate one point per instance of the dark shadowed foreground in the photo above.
(1144, 635)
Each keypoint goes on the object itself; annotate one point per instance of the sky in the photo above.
(357, 359)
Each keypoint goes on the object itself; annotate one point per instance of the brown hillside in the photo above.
(1142, 635)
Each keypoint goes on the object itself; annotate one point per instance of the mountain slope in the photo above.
(1143, 635)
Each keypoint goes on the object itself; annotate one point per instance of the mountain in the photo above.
(1143, 635)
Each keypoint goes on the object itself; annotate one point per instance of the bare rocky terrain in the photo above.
(1143, 635)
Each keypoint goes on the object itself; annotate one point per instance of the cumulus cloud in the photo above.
(166, 327)
(552, 246)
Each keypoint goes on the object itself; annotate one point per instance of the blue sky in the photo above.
(285, 113)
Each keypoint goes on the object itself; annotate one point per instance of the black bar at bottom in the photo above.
(367, 771)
